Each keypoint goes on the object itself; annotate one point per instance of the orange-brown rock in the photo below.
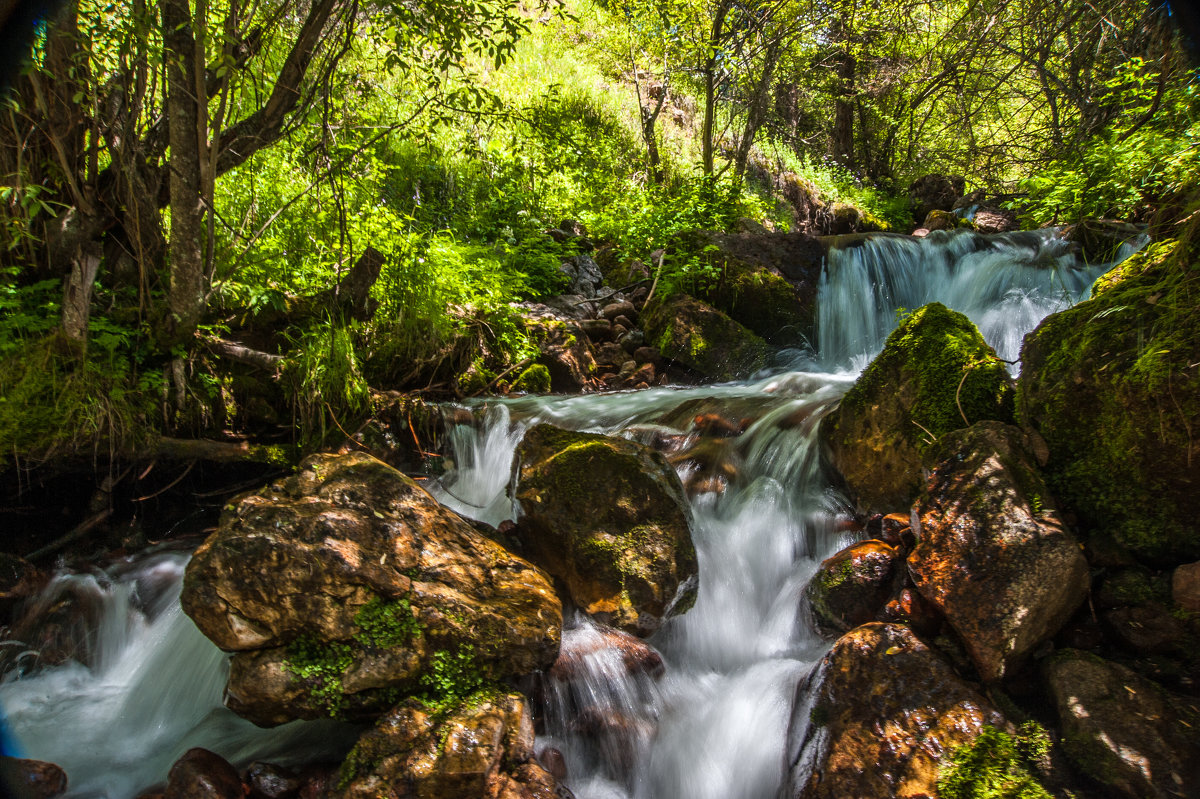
(201, 774)
(608, 517)
(336, 587)
(635, 655)
(31, 779)
(886, 712)
(992, 553)
(851, 587)
(482, 748)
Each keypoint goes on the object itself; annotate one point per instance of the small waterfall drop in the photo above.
(138, 685)
(1006, 284)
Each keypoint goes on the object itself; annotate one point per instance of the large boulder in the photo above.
(1113, 387)
(934, 192)
(764, 281)
(478, 748)
(887, 712)
(346, 585)
(992, 553)
(1124, 731)
(608, 517)
(851, 587)
(701, 338)
(935, 374)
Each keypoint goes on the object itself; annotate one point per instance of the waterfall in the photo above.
(139, 685)
(1006, 284)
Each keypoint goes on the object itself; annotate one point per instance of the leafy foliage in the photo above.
(996, 765)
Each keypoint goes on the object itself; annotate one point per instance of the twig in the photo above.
(957, 394)
(169, 485)
(77, 533)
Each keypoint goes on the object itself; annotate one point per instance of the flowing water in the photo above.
(144, 685)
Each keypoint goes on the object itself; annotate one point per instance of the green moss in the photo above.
(954, 374)
(534, 380)
(996, 765)
(386, 624)
(321, 666)
(452, 677)
(1113, 385)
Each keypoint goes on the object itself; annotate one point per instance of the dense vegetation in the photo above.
(178, 175)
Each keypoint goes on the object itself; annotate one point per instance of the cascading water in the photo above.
(715, 723)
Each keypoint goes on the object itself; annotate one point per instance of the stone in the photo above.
(597, 330)
(1123, 731)
(934, 369)
(1149, 629)
(934, 192)
(338, 588)
(641, 374)
(610, 354)
(201, 774)
(564, 351)
(851, 587)
(909, 607)
(635, 656)
(940, 220)
(647, 355)
(989, 219)
(608, 517)
(613, 311)
(886, 712)
(1111, 386)
(632, 341)
(696, 335)
(992, 553)
(31, 779)
(269, 781)
(1185, 587)
(482, 747)
(583, 275)
(623, 321)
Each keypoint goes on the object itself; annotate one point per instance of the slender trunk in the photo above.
(185, 295)
(756, 107)
(843, 110)
(710, 86)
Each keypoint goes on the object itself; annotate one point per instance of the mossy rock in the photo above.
(701, 338)
(534, 380)
(851, 587)
(934, 370)
(1113, 386)
(608, 517)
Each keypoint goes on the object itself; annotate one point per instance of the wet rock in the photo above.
(934, 192)
(940, 220)
(338, 587)
(1130, 586)
(851, 587)
(563, 350)
(611, 354)
(709, 457)
(712, 424)
(891, 528)
(623, 321)
(1123, 731)
(886, 712)
(910, 608)
(934, 363)
(201, 774)
(632, 341)
(989, 219)
(583, 274)
(31, 779)
(766, 282)
(642, 374)
(647, 355)
(597, 329)
(619, 332)
(1111, 385)
(479, 748)
(1149, 629)
(608, 517)
(696, 335)
(611, 646)
(553, 761)
(613, 311)
(269, 781)
(992, 554)
(1185, 587)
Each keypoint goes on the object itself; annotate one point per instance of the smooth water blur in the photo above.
(151, 689)
(1006, 284)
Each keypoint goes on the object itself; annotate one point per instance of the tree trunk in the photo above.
(185, 295)
(843, 111)
(710, 86)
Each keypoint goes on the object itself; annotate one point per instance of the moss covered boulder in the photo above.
(1113, 386)
(346, 586)
(765, 281)
(701, 338)
(1124, 731)
(935, 374)
(608, 517)
(852, 587)
(482, 746)
(885, 716)
(992, 553)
